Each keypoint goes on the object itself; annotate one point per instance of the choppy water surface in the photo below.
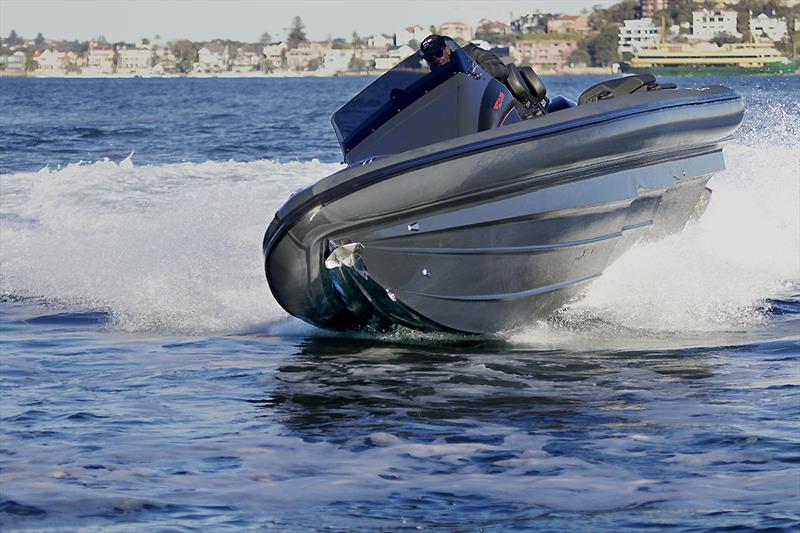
(149, 380)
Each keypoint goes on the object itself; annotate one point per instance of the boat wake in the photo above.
(176, 248)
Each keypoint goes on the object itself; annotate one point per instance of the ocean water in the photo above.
(149, 381)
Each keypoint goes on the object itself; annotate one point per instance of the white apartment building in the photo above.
(99, 60)
(457, 30)
(638, 33)
(706, 24)
(134, 60)
(337, 60)
(774, 28)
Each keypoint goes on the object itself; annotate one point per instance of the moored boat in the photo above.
(708, 59)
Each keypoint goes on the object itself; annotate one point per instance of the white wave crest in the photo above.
(178, 247)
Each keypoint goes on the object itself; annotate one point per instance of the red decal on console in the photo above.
(499, 101)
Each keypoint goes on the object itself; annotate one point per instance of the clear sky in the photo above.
(246, 20)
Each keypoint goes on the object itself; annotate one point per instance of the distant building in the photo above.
(493, 28)
(393, 57)
(456, 30)
(411, 33)
(337, 60)
(380, 41)
(543, 54)
(774, 28)
(245, 59)
(526, 24)
(99, 59)
(568, 24)
(305, 55)
(706, 24)
(134, 60)
(50, 62)
(637, 33)
(16, 62)
(213, 57)
(275, 53)
(648, 8)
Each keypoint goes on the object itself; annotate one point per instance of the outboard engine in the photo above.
(528, 89)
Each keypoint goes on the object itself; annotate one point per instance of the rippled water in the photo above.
(148, 380)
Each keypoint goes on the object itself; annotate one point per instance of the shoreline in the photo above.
(585, 71)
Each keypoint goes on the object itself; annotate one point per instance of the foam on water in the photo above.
(177, 247)
(166, 248)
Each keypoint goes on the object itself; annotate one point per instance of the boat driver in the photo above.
(436, 52)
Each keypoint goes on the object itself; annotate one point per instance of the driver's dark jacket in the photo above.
(487, 60)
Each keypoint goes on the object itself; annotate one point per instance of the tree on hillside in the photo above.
(39, 40)
(580, 56)
(627, 9)
(603, 46)
(265, 38)
(296, 33)
(13, 38)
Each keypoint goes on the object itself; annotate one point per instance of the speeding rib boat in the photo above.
(455, 214)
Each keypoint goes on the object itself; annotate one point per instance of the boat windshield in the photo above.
(399, 86)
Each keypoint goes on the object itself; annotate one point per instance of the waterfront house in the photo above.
(568, 24)
(165, 59)
(771, 28)
(305, 56)
(99, 60)
(51, 63)
(543, 54)
(16, 62)
(337, 60)
(457, 30)
(246, 59)
(637, 33)
(706, 23)
(213, 57)
(275, 54)
(134, 60)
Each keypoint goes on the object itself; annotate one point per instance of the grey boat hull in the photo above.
(491, 231)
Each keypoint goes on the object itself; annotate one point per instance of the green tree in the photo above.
(603, 47)
(615, 14)
(296, 33)
(13, 38)
(357, 41)
(39, 40)
(265, 38)
(580, 56)
(185, 54)
(357, 64)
